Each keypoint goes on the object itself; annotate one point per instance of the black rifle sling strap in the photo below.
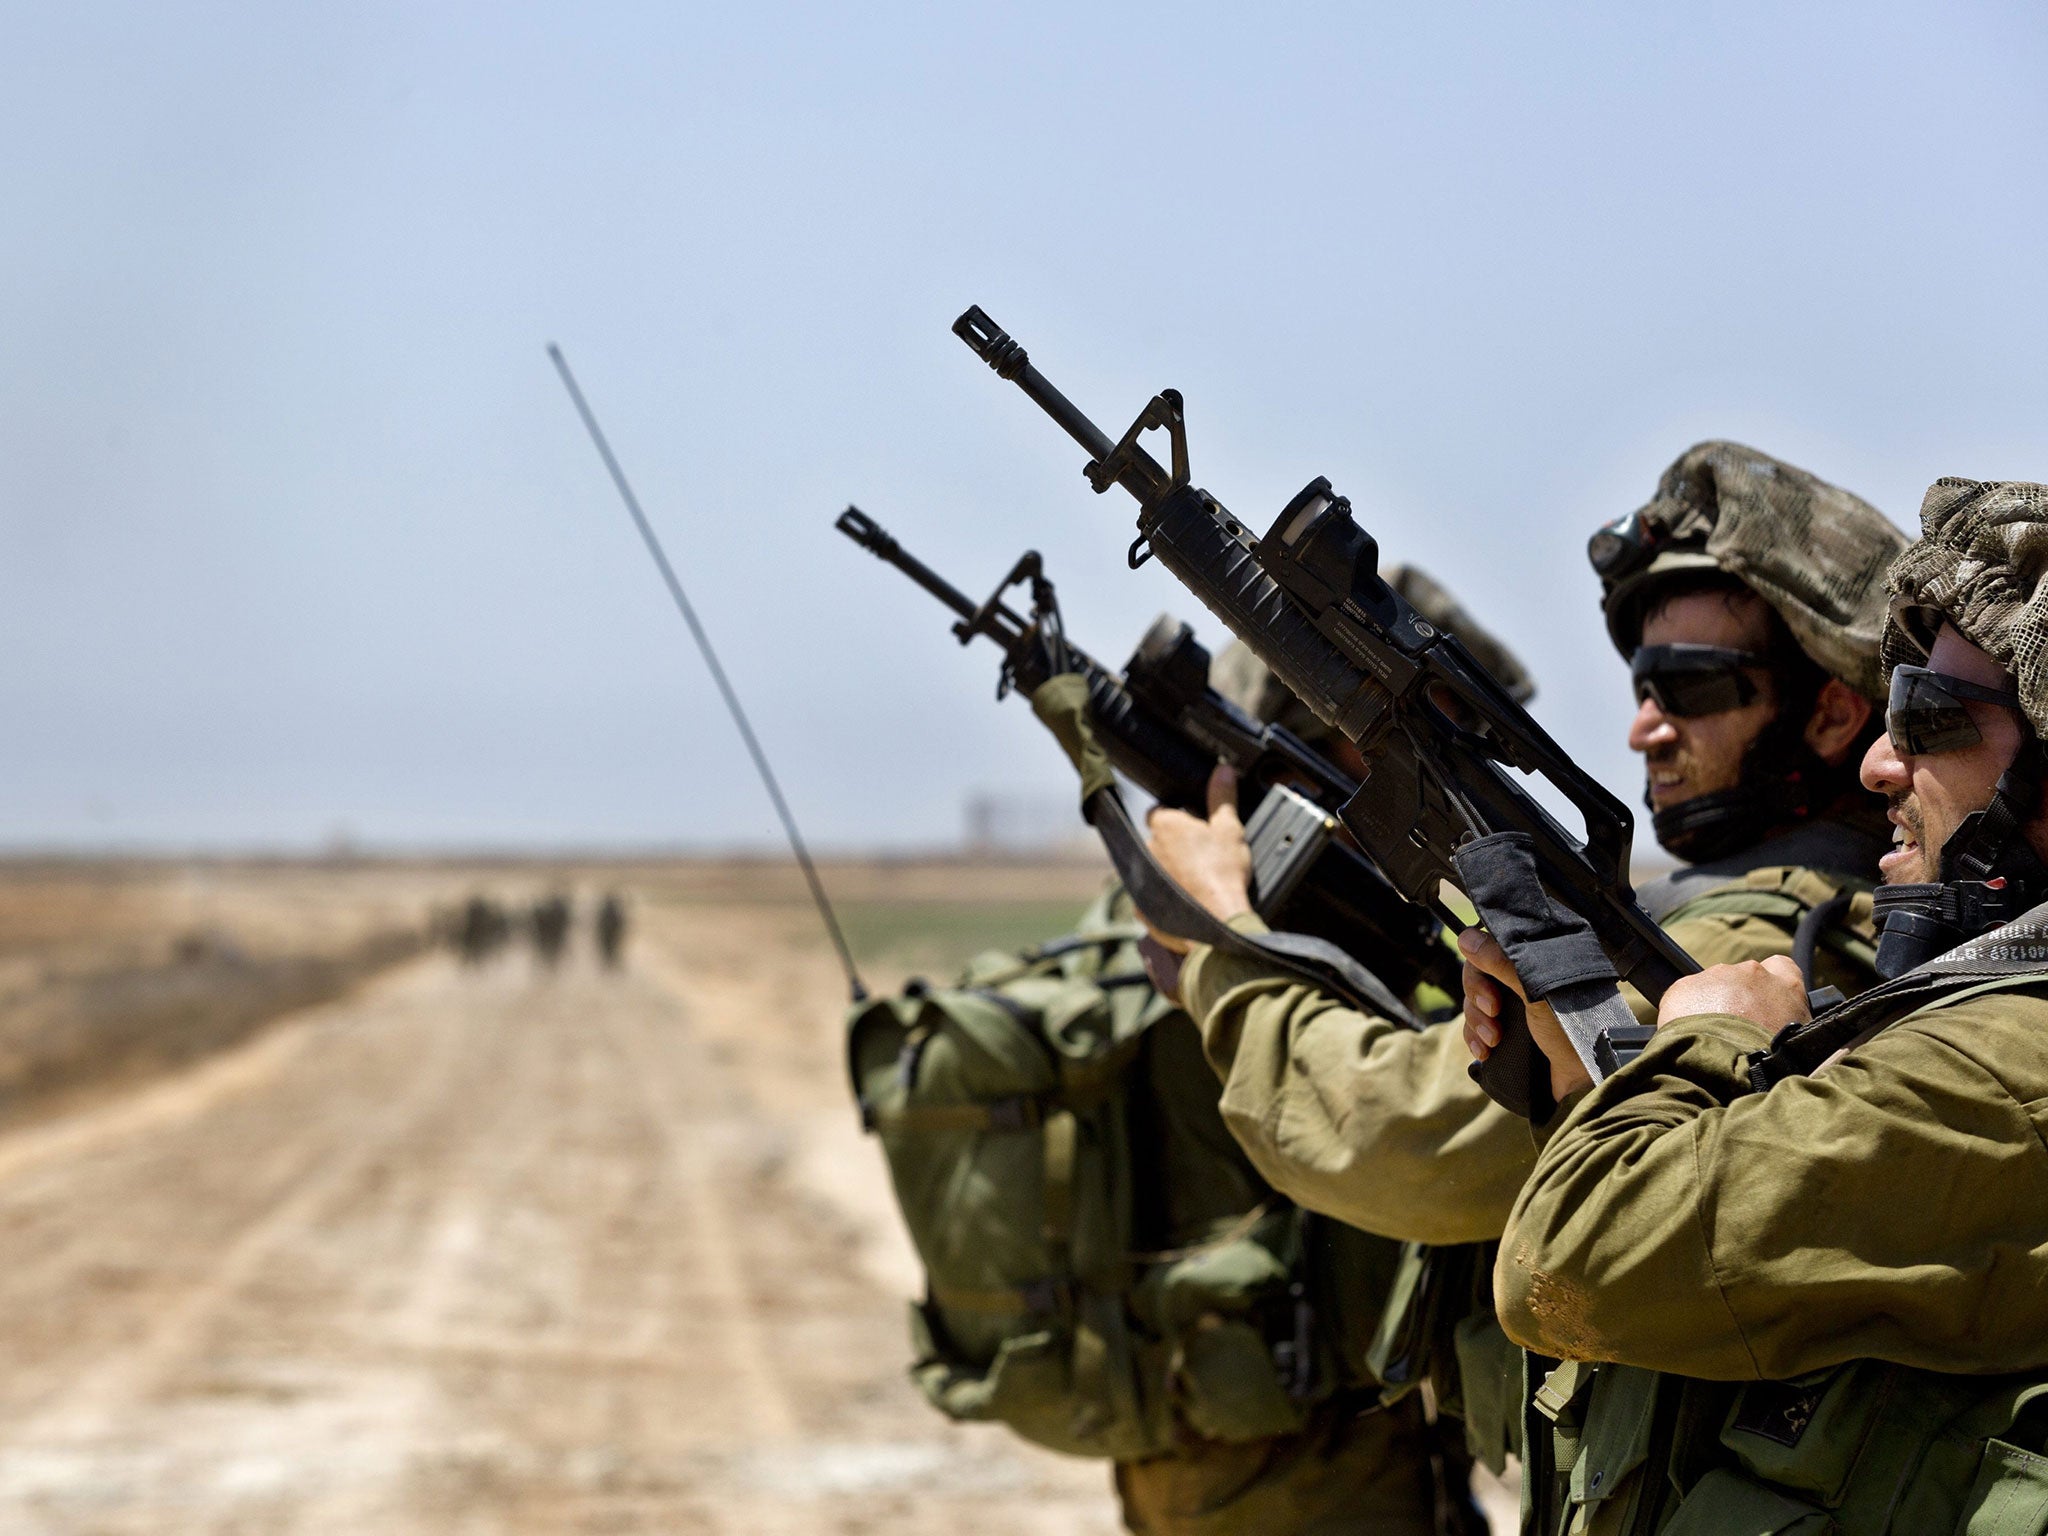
(1558, 960)
(2019, 948)
(1172, 910)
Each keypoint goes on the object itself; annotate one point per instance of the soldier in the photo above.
(1360, 1449)
(1849, 1214)
(1747, 596)
(1361, 1465)
(549, 923)
(611, 929)
(1201, 1443)
(477, 930)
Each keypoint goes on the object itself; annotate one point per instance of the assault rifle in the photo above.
(1439, 735)
(1164, 728)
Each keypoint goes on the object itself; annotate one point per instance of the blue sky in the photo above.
(300, 535)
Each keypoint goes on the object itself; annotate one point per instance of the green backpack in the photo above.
(1106, 1273)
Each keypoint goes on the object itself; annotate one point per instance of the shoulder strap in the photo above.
(1778, 890)
(1824, 907)
(2006, 959)
(1316, 961)
(984, 972)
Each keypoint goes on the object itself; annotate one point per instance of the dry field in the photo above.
(471, 1250)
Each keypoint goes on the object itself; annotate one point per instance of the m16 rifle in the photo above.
(1164, 728)
(1440, 737)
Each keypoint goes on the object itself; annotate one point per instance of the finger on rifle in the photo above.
(1481, 991)
(1482, 1013)
(1222, 792)
(1480, 949)
(1475, 1042)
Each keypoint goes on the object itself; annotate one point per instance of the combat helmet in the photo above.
(1981, 566)
(1239, 675)
(1817, 555)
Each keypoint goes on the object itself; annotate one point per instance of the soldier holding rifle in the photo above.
(1748, 599)
(1845, 1213)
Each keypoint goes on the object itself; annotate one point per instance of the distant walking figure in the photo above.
(611, 930)
(550, 928)
(480, 929)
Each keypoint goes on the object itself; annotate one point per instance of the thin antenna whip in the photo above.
(732, 700)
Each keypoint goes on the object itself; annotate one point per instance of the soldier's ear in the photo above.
(1839, 715)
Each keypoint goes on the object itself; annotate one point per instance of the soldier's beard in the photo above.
(1672, 775)
(1907, 863)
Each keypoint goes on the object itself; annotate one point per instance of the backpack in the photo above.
(1106, 1273)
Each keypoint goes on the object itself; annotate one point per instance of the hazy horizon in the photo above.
(304, 543)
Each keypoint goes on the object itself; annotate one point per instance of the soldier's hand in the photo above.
(1207, 856)
(1488, 975)
(1769, 993)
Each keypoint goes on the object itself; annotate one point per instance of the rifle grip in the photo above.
(1516, 1074)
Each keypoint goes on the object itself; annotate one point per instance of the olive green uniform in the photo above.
(1382, 1126)
(1880, 1222)
(1357, 1468)
(1895, 1205)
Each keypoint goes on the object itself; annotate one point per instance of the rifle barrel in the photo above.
(876, 540)
(992, 344)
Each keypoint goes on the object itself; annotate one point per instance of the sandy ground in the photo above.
(502, 1250)
(490, 1251)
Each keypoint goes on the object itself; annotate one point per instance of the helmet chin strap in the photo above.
(1710, 827)
(1990, 874)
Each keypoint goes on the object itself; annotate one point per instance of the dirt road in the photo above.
(495, 1251)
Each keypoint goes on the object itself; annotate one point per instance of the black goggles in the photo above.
(1925, 711)
(1689, 680)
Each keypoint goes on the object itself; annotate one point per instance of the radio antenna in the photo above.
(732, 699)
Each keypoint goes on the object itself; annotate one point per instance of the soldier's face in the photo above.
(1690, 755)
(1930, 794)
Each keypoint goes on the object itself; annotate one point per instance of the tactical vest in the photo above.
(1106, 1273)
(1866, 1448)
(1828, 914)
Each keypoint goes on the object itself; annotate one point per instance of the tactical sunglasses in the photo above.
(1689, 680)
(1925, 711)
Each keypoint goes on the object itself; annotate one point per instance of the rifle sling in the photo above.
(1172, 910)
(1559, 961)
(2019, 948)
(1063, 704)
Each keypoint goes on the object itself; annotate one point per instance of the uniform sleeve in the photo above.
(1352, 1114)
(1889, 1207)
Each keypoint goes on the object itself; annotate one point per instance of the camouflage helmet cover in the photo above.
(1241, 677)
(1813, 551)
(1981, 564)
